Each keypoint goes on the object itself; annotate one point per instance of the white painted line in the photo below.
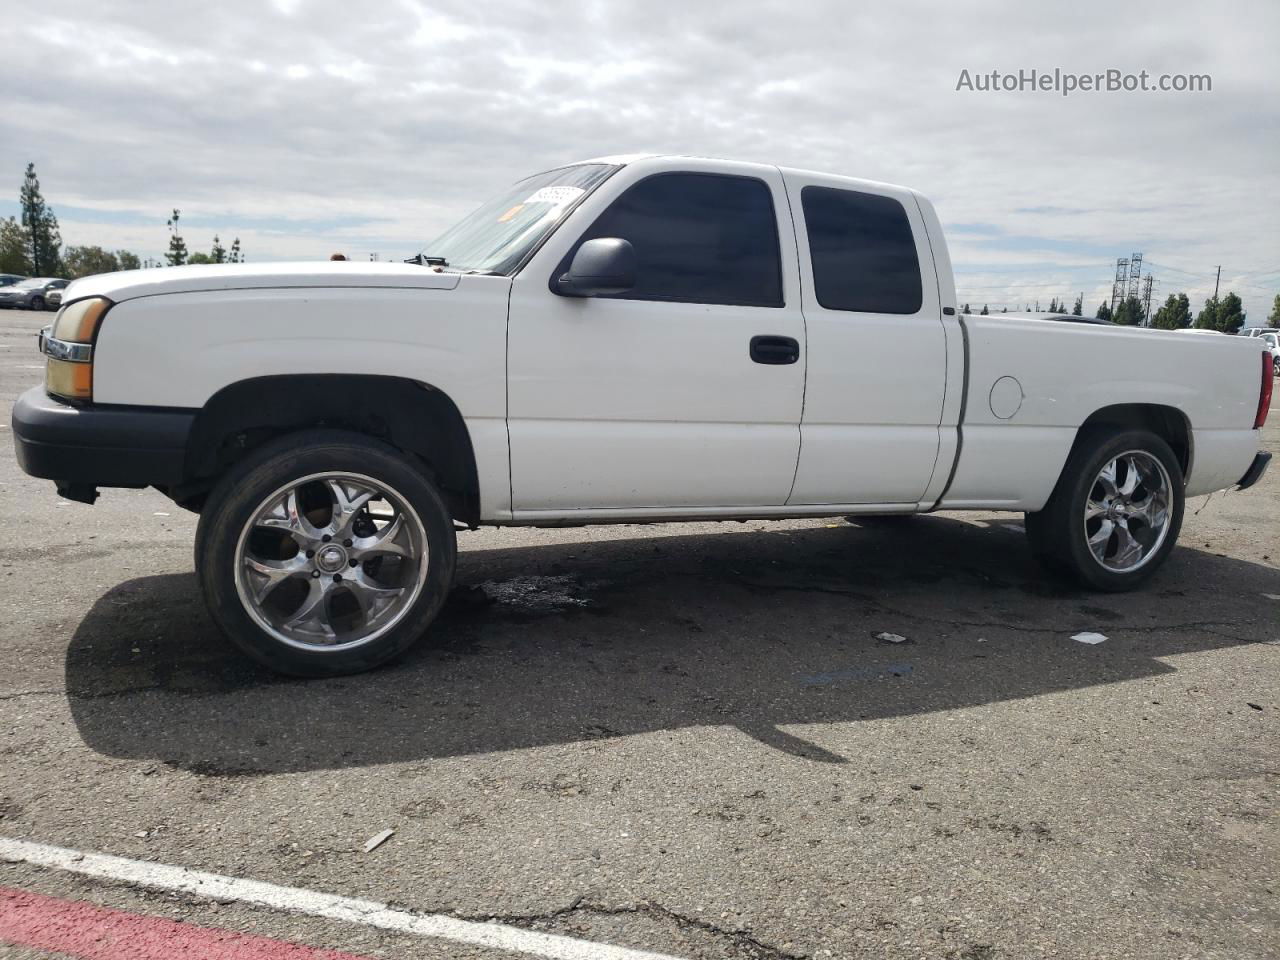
(160, 876)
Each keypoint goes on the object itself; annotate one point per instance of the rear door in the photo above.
(877, 349)
(654, 398)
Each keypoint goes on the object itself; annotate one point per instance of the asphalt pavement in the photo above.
(683, 738)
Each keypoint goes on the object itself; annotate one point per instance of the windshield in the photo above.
(498, 236)
(31, 283)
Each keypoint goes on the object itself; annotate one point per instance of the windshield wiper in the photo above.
(431, 261)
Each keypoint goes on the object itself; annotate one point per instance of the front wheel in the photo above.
(37, 303)
(325, 553)
(1116, 512)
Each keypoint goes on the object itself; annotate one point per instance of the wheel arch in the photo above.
(1168, 423)
(415, 417)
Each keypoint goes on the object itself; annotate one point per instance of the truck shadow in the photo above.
(757, 629)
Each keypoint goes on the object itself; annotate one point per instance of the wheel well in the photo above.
(1168, 423)
(414, 417)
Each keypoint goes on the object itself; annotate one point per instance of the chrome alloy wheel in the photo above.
(1126, 515)
(331, 561)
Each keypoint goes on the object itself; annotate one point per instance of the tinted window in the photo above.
(699, 238)
(864, 256)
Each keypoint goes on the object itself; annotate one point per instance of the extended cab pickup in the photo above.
(625, 339)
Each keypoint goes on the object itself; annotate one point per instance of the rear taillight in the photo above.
(1264, 395)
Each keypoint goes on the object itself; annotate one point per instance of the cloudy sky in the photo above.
(308, 126)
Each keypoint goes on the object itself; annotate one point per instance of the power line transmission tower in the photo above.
(1122, 278)
(1147, 282)
(1135, 275)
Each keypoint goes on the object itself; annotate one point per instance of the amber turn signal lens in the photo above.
(78, 322)
(67, 378)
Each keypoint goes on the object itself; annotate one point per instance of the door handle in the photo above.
(775, 350)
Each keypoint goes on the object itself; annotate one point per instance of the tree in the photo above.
(177, 254)
(199, 258)
(1274, 319)
(1053, 305)
(1104, 311)
(235, 256)
(128, 260)
(1230, 314)
(1078, 309)
(965, 309)
(86, 261)
(13, 248)
(1207, 318)
(1129, 312)
(985, 311)
(1004, 309)
(1174, 315)
(219, 253)
(40, 227)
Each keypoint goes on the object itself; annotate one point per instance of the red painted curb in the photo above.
(97, 933)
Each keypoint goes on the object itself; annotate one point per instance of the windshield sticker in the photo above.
(511, 213)
(556, 196)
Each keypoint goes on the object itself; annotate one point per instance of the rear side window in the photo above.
(699, 238)
(864, 256)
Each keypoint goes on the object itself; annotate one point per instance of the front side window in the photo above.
(699, 238)
(863, 252)
(501, 234)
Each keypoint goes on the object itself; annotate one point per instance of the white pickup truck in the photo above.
(624, 339)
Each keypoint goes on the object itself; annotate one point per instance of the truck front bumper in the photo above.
(1255, 471)
(83, 448)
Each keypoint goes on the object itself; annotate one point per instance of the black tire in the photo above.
(1057, 534)
(37, 303)
(242, 491)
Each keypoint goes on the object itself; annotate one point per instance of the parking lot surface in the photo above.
(683, 739)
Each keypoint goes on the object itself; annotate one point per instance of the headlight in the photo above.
(69, 349)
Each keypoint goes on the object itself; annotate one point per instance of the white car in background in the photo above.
(631, 339)
(1272, 340)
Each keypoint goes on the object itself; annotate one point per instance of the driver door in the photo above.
(655, 399)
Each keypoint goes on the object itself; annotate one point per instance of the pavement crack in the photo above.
(14, 695)
(748, 946)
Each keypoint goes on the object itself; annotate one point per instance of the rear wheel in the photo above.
(1116, 512)
(325, 553)
(37, 303)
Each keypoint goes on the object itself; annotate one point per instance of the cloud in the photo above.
(309, 126)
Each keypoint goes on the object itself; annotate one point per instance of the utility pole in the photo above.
(1215, 284)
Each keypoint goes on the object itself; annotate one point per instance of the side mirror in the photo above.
(601, 267)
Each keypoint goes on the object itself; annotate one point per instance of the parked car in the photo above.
(53, 299)
(9, 279)
(30, 294)
(1272, 340)
(1258, 331)
(631, 339)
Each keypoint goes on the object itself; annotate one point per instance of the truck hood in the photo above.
(130, 284)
